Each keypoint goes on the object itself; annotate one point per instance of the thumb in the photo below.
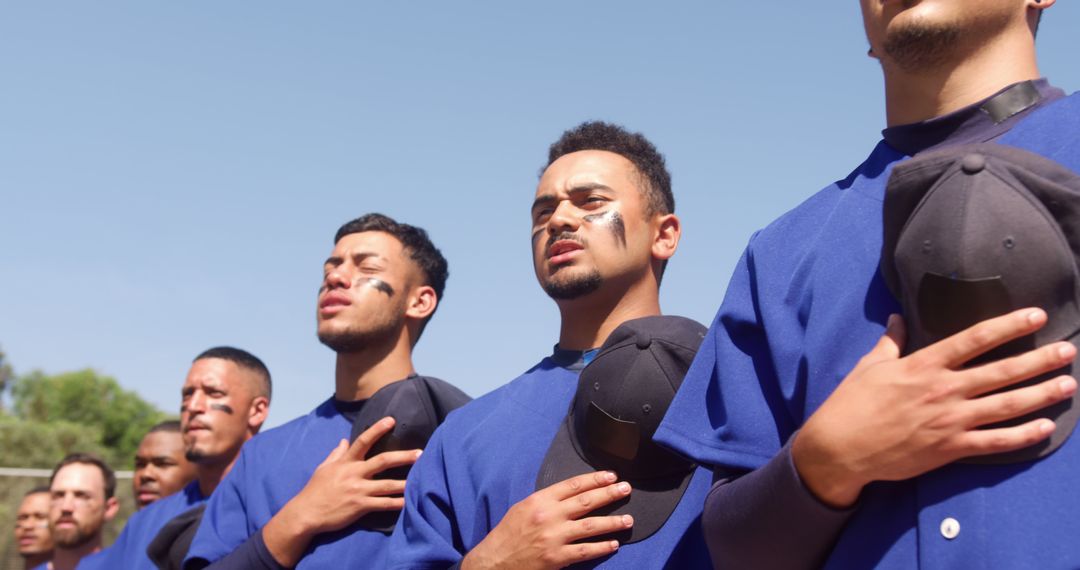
(891, 344)
(337, 453)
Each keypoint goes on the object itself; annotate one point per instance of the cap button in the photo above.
(973, 163)
(643, 342)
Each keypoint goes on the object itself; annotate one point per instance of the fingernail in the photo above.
(418, 452)
(609, 476)
(892, 320)
(627, 521)
(1067, 387)
(1046, 427)
(624, 487)
(614, 544)
(1036, 317)
(387, 422)
(1066, 351)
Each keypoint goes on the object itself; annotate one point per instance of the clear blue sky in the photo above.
(172, 174)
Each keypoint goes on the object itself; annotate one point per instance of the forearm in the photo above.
(769, 519)
(287, 535)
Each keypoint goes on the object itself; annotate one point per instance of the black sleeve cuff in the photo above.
(252, 555)
(769, 519)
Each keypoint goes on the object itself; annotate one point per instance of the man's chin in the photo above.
(570, 287)
(69, 538)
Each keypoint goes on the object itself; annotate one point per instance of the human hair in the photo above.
(36, 490)
(88, 459)
(598, 135)
(168, 426)
(243, 359)
(415, 241)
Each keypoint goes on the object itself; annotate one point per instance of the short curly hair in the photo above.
(599, 135)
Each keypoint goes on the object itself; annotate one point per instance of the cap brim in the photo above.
(651, 501)
(1064, 413)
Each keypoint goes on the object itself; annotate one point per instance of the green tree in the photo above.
(74, 409)
(5, 378)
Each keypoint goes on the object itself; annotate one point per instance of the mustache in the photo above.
(565, 236)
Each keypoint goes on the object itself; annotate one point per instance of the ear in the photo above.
(668, 232)
(422, 303)
(112, 506)
(257, 412)
(1034, 11)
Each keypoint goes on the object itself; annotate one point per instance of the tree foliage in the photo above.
(6, 375)
(73, 411)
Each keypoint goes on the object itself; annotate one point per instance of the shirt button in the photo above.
(950, 528)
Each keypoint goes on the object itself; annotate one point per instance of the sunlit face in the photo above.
(218, 404)
(32, 536)
(918, 35)
(78, 509)
(161, 468)
(590, 229)
(365, 286)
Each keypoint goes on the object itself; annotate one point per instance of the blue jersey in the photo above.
(805, 303)
(271, 469)
(129, 550)
(486, 457)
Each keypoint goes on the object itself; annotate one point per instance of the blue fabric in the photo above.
(272, 468)
(485, 458)
(805, 303)
(129, 550)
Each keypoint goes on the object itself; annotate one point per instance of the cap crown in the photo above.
(977, 244)
(624, 392)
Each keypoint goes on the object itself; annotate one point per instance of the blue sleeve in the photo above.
(724, 413)
(426, 536)
(224, 525)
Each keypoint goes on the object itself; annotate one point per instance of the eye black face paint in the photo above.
(222, 408)
(613, 221)
(380, 285)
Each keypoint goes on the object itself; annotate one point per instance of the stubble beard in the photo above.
(923, 46)
(573, 287)
(69, 539)
(350, 340)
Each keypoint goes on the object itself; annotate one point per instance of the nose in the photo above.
(563, 219)
(196, 404)
(335, 279)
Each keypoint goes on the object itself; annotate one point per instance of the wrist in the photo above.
(826, 478)
(298, 520)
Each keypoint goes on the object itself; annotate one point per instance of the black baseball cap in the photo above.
(418, 405)
(977, 231)
(621, 398)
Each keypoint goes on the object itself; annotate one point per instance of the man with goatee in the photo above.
(298, 492)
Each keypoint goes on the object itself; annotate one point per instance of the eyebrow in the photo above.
(582, 188)
(358, 257)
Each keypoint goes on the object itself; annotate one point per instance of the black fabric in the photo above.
(744, 515)
(621, 397)
(170, 546)
(350, 410)
(972, 124)
(251, 555)
(418, 405)
(977, 231)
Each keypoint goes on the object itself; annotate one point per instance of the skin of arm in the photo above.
(894, 418)
(341, 490)
(540, 532)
